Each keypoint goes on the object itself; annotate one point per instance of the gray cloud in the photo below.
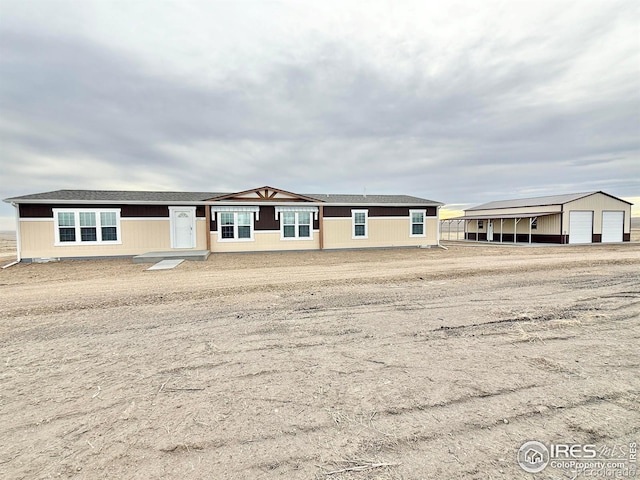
(500, 116)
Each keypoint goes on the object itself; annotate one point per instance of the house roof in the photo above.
(112, 196)
(537, 201)
(371, 199)
(141, 197)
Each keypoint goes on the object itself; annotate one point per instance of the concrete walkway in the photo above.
(166, 264)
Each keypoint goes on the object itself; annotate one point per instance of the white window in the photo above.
(418, 228)
(235, 226)
(86, 226)
(360, 223)
(296, 225)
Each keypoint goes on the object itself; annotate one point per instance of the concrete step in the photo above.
(155, 257)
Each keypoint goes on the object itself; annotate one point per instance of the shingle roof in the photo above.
(372, 199)
(120, 196)
(532, 201)
(115, 196)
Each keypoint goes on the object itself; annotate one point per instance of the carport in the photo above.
(531, 218)
(448, 222)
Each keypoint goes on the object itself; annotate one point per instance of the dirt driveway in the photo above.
(382, 364)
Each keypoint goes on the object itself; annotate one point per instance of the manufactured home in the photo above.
(575, 218)
(91, 223)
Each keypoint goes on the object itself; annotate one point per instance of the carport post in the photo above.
(515, 229)
(530, 222)
(501, 225)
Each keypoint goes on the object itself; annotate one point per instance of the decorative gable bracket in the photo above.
(264, 194)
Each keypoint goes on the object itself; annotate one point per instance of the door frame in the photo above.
(172, 224)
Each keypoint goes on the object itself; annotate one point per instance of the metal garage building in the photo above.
(576, 218)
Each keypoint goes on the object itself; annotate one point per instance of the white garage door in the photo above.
(612, 226)
(580, 227)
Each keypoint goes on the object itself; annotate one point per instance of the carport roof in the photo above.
(509, 215)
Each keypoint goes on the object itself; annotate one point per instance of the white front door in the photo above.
(489, 231)
(183, 227)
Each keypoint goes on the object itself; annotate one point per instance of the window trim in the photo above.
(235, 225)
(76, 220)
(424, 223)
(296, 225)
(353, 225)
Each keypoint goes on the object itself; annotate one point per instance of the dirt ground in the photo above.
(7, 245)
(384, 364)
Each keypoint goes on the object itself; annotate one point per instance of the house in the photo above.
(90, 223)
(575, 218)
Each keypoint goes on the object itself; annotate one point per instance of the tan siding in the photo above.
(472, 226)
(264, 242)
(547, 225)
(337, 233)
(138, 236)
(36, 237)
(145, 234)
(598, 203)
(201, 234)
(383, 232)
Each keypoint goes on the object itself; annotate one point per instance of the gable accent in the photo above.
(262, 194)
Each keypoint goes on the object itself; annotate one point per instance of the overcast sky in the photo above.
(458, 102)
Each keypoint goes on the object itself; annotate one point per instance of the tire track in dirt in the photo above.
(291, 379)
